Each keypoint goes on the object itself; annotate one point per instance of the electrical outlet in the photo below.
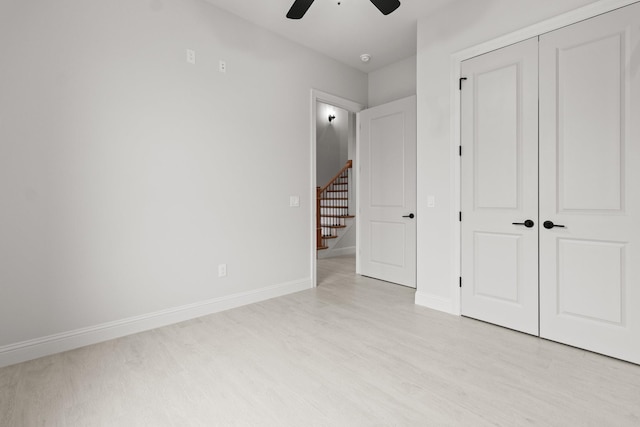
(222, 270)
(191, 56)
(222, 66)
(294, 201)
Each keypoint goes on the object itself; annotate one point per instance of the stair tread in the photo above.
(322, 247)
(329, 237)
(334, 226)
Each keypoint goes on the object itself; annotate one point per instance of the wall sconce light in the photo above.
(331, 118)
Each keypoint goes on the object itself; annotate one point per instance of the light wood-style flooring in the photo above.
(352, 352)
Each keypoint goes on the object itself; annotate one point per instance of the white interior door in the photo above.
(500, 187)
(590, 182)
(387, 192)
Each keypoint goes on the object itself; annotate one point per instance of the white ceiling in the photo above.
(344, 31)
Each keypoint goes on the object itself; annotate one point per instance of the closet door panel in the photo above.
(590, 185)
(500, 187)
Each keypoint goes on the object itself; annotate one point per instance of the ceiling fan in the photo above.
(300, 7)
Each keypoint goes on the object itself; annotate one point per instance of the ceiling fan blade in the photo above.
(299, 8)
(386, 6)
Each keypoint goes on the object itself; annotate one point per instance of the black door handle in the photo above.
(409, 216)
(528, 223)
(549, 225)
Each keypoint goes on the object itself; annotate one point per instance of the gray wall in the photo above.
(331, 142)
(393, 82)
(127, 175)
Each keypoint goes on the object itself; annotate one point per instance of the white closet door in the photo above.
(590, 184)
(500, 187)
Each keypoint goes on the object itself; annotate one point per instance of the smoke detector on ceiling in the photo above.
(365, 57)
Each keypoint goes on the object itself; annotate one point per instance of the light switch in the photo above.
(431, 201)
(294, 201)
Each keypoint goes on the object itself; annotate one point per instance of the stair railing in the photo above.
(332, 206)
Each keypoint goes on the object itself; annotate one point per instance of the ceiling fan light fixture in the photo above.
(365, 57)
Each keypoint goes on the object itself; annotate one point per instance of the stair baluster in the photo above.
(332, 207)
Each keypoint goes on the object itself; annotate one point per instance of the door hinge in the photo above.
(460, 150)
(460, 281)
(460, 82)
(460, 216)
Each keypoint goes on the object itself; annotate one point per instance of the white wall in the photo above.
(348, 240)
(393, 82)
(127, 175)
(460, 25)
(332, 140)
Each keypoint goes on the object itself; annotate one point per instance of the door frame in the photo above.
(456, 59)
(351, 107)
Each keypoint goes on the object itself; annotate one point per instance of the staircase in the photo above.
(332, 208)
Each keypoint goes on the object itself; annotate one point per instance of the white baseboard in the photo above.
(434, 302)
(39, 347)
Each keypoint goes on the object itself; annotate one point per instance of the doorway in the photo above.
(324, 105)
(384, 165)
(335, 152)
